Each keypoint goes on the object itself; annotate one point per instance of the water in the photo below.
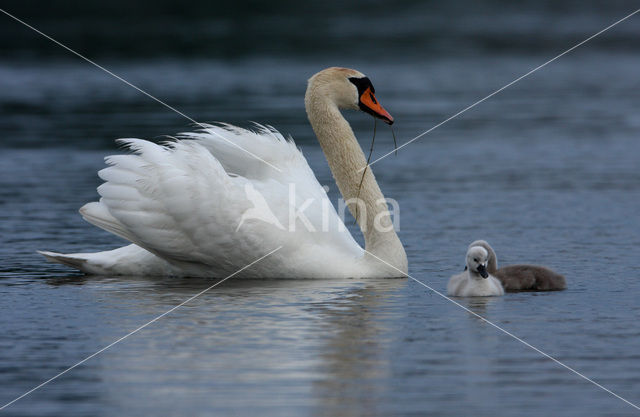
(547, 172)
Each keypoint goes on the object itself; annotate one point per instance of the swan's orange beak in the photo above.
(369, 104)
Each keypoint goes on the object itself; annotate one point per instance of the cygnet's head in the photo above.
(477, 259)
(348, 89)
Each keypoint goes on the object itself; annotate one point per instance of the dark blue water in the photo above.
(546, 171)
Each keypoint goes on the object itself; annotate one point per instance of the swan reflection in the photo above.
(268, 340)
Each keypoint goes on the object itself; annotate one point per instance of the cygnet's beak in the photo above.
(482, 270)
(369, 104)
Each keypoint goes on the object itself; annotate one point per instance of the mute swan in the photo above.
(201, 206)
(475, 281)
(522, 277)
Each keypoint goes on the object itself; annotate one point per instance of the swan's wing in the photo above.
(160, 198)
(184, 202)
(269, 150)
(259, 154)
(263, 156)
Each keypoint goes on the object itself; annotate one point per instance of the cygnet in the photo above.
(475, 281)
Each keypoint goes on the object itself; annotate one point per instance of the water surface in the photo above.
(547, 172)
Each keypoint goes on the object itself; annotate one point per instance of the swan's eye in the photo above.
(475, 259)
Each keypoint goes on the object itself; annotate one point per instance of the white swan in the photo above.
(182, 204)
(475, 281)
(522, 277)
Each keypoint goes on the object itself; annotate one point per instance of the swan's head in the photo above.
(477, 259)
(348, 89)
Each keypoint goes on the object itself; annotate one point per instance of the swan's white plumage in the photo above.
(183, 204)
(214, 201)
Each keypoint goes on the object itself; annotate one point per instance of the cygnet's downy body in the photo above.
(522, 277)
(475, 281)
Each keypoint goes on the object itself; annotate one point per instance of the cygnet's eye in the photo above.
(475, 259)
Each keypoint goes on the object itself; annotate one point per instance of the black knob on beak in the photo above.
(483, 271)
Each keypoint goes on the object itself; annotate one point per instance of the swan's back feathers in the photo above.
(248, 153)
(183, 201)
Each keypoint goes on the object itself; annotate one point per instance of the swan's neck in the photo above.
(492, 265)
(345, 158)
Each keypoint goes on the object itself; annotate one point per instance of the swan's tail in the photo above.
(72, 260)
(128, 260)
